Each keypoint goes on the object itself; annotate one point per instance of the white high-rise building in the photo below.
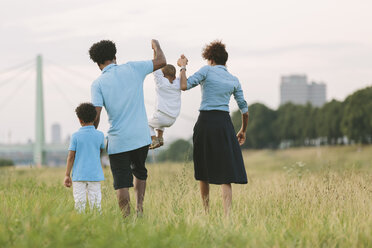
(56, 133)
(317, 94)
(295, 89)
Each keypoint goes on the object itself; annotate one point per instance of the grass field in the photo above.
(307, 197)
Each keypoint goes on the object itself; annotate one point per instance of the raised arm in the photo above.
(159, 60)
(182, 62)
(193, 80)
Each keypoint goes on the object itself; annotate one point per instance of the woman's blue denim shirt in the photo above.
(217, 86)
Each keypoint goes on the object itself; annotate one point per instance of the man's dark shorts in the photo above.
(126, 164)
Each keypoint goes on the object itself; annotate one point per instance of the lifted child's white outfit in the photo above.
(168, 102)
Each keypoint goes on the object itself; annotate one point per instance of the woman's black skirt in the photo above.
(217, 154)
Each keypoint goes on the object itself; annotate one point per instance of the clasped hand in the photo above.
(182, 61)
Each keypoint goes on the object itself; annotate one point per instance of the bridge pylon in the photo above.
(39, 148)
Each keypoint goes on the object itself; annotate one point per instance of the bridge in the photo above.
(39, 149)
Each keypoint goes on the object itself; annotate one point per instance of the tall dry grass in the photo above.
(308, 197)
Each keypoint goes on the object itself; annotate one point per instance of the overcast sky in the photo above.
(330, 41)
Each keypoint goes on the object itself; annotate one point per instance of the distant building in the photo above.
(317, 94)
(297, 90)
(293, 89)
(56, 134)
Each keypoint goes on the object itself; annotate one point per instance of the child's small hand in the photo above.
(67, 182)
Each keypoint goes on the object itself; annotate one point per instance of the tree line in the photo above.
(335, 123)
(6, 162)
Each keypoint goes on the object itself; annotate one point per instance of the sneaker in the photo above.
(161, 141)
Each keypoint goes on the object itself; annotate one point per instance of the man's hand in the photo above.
(241, 137)
(182, 61)
(155, 44)
(67, 182)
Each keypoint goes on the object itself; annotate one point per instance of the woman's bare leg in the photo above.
(226, 198)
(204, 190)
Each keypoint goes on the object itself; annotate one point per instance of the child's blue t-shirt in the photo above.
(87, 143)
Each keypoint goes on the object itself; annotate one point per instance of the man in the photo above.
(120, 90)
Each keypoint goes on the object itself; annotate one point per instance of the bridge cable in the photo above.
(14, 76)
(16, 67)
(64, 78)
(19, 86)
(59, 89)
(76, 72)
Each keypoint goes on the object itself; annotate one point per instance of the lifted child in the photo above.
(168, 103)
(84, 160)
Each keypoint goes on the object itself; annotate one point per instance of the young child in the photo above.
(84, 160)
(168, 103)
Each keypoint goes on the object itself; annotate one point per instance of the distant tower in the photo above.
(39, 152)
(317, 94)
(293, 88)
(56, 133)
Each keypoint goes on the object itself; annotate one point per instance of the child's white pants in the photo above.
(80, 191)
(159, 121)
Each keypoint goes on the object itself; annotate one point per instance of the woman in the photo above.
(217, 155)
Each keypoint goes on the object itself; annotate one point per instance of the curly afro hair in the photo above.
(86, 112)
(102, 51)
(216, 52)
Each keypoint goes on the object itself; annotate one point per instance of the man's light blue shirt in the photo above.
(217, 86)
(120, 90)
(87, 143)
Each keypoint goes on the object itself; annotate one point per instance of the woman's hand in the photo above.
(241, 137)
